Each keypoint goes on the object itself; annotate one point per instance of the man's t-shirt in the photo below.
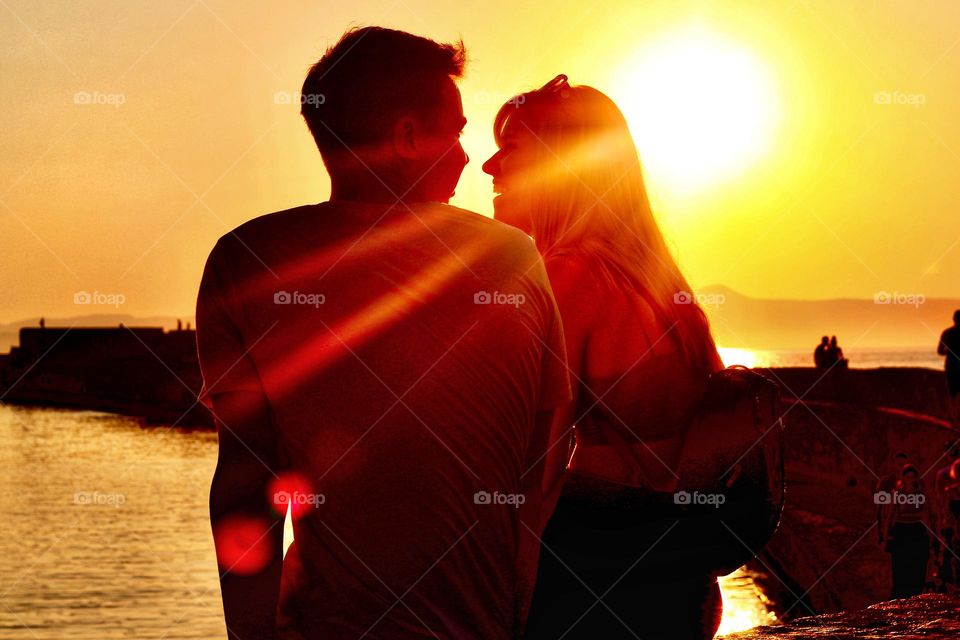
(404, 353)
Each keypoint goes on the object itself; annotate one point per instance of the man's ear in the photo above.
(405, 137)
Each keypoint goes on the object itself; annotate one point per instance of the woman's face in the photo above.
(514, 171)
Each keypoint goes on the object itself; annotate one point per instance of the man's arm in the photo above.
(941, 345)
(248, 531)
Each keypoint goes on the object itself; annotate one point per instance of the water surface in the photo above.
(106, 533)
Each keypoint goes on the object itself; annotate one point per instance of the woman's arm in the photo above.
(571, 289)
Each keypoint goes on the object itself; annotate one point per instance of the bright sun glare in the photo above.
(701, 106)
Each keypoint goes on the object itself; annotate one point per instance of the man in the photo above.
(949, 346)
(385, 365)
(820, 353)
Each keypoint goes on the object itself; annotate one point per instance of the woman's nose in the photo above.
(492, 165)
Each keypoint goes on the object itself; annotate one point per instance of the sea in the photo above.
(858, 358)
(105, 530)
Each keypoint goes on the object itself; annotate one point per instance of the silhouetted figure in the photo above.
(833, 355)
(886, 485)
(949, 347)
(906, 534)
(568, 174)
(820, 353)
(947, 505)
(385, 365)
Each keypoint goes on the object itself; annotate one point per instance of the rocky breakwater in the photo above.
(932, 616)
(842, 428)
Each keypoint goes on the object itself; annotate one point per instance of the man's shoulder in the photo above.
(484, 225)
(270, 223)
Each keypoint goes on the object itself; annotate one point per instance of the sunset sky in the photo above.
(794, 149)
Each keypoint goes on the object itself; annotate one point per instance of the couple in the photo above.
(405, 375)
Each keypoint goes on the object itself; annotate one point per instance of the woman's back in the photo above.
(634, 382)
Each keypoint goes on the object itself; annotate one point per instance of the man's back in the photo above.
(950, 342)
(404, 356)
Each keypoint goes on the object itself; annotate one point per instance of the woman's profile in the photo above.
(639, 351)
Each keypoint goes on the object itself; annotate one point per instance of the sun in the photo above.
(702, 107)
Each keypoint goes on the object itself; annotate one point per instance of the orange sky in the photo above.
(844, 195)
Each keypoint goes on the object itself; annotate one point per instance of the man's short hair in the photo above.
(354, 94)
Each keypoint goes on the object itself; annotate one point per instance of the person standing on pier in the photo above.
(906, 535)
(949, 347)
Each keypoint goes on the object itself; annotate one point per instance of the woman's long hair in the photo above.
(587, 194)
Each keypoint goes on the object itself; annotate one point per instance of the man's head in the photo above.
(386, 115)
(956, 317)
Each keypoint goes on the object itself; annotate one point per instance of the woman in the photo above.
(906, 537)
(639, 351)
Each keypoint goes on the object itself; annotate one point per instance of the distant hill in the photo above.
(9, 333)
(893, 320)
(737, 321)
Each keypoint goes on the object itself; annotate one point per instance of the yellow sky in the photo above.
(845, 194)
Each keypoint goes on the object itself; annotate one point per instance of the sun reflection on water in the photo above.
(745, 606)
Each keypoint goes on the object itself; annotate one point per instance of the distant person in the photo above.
(884, 490)
(951, 516)
(640, 349)
(949, 346)
(820, 353)
(833, 356)
(945, 496)
(386, 365)
(906, 535)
